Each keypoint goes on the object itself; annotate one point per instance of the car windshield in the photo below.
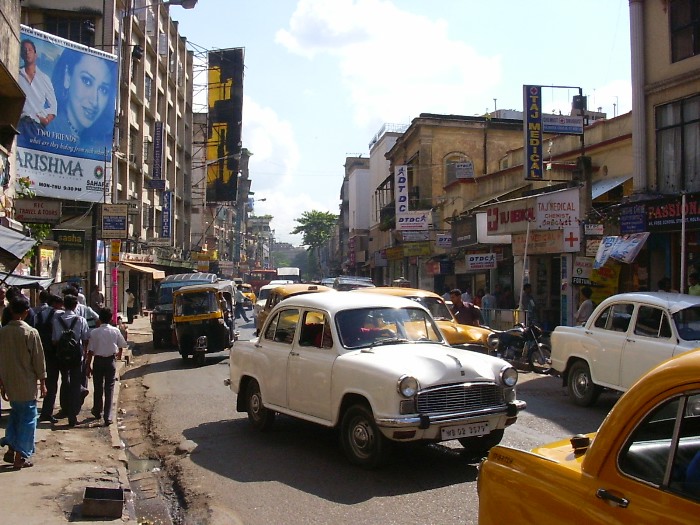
(688, 323)
(196, 303)
(264, 294)
(365, 327)
(437, 307)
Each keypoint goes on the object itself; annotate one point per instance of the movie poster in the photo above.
(64, 148)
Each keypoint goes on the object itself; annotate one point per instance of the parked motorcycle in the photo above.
(522, 345)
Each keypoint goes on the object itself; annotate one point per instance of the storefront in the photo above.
(546, 233)
(672, 248)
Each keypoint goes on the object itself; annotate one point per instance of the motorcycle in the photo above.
(522, 345)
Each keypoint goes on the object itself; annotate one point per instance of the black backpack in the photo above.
(68, 351)
(45, 329)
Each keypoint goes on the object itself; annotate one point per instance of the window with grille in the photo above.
(75, 29)
(684, 22)
(678, 146)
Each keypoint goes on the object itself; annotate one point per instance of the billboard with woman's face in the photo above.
(64, 149)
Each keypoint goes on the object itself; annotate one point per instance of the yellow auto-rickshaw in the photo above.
(203, 319)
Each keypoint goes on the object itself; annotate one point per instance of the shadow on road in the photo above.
(547, 399)
(309, 458)
(173, 362)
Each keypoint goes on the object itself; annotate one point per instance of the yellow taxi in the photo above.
(249, 295)
(642, 467)
(470, 337)
(283, 292)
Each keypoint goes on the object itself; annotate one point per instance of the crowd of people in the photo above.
(60, 339)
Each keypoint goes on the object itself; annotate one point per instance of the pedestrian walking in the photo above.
(130, 306)
(104, 348)
(238, 309)
(44, 325)
(21, 366)
(72, 390)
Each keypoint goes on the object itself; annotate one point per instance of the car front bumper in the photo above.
(428, 426)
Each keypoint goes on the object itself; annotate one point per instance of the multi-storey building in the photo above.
(666, 140)
(152, 156)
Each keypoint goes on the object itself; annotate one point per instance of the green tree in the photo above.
(316, 228)
(38, 231)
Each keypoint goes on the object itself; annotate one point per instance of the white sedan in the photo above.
(378, 369)
(627, 335)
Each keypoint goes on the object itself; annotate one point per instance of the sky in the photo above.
(323, 76)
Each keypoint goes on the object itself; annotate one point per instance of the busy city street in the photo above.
(296, 473)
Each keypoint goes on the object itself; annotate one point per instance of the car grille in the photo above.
(455, 398)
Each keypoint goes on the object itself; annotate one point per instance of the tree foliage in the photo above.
(316, 228)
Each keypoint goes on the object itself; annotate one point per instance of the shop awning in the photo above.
(600, 187)
(14, 244)
(156, 274)
(25, 281)
(494, 197)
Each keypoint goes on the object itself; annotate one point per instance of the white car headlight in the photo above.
(509, 376)
(408, 386)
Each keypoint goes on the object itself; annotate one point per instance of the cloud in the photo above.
(391, 75)
(272, 142)
(274, 168)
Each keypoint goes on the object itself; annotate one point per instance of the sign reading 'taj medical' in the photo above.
(532, 106)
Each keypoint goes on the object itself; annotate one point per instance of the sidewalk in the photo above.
(67, 460)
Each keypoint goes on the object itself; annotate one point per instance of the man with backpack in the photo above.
(70, 336)
(44, 325)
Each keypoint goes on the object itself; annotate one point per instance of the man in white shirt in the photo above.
(40, 104)
(104, 348)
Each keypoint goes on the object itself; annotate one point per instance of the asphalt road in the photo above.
(296, 474)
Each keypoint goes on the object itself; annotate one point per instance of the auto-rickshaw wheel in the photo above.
(199, 359)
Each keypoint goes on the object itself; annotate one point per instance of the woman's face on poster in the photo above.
(89, 89)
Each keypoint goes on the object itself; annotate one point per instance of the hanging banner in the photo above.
(64, 148)
(627, 247)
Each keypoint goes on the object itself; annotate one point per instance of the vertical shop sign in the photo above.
(157, 182)
(166, 216)
(532, 107)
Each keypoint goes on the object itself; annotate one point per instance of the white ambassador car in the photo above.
(627, 335)
(375, 367)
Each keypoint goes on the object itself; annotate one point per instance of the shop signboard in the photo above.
(481, 261)
(37, 211)
(415, 249)
(70, 239)
(583, 266)
(443, 240)
(557, 210)
(413, 220)
(114, 221)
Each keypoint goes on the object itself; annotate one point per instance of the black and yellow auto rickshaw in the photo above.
(203, 319)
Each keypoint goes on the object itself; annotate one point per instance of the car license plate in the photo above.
(462, 431)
